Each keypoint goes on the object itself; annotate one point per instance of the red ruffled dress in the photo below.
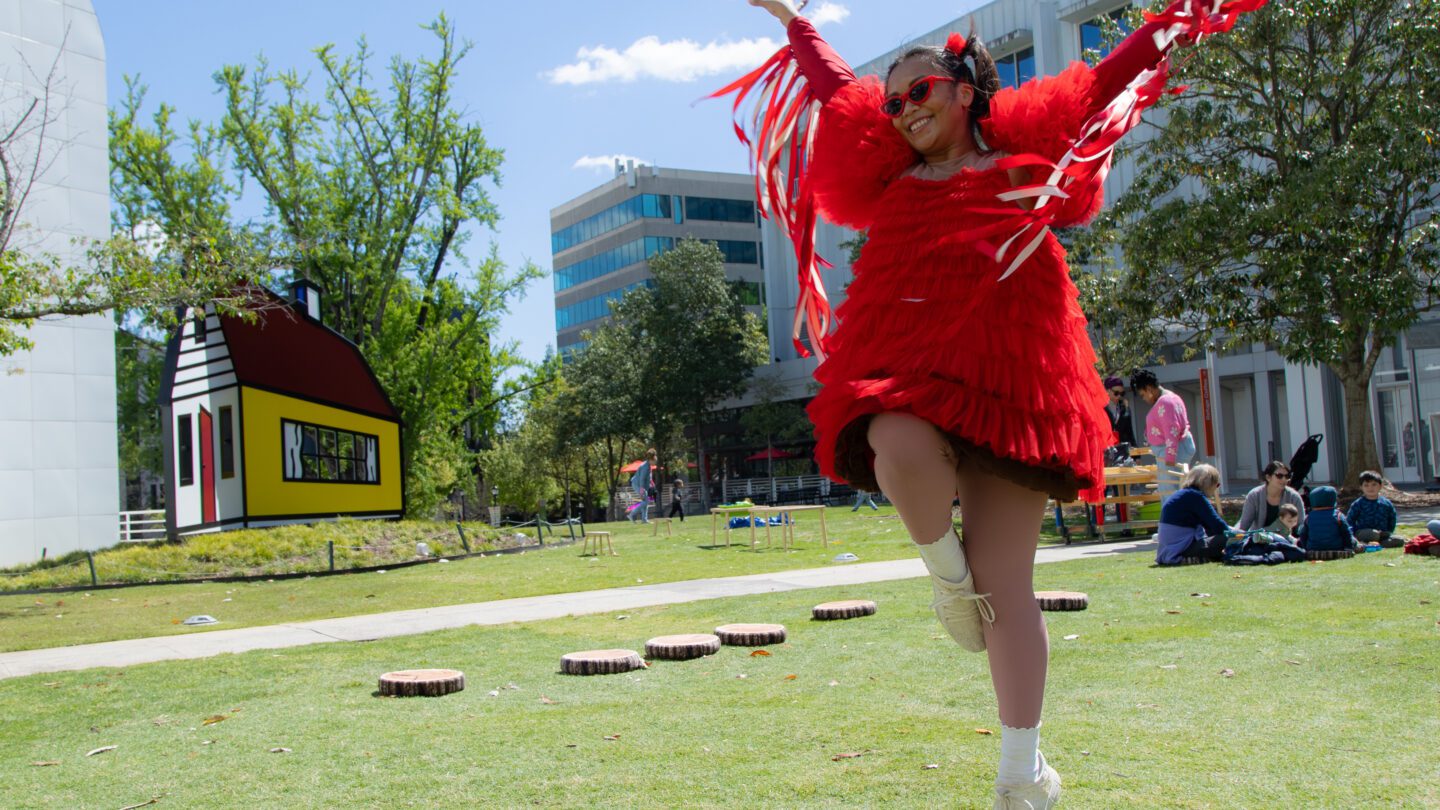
(1002, 366)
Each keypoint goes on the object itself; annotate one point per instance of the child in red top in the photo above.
(961, 364)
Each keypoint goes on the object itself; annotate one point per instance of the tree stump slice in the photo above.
(600, 662)
(844, 609)
(1062, 600)
(751, 635)
(422, 682)
(1333, 554)
(682, 647)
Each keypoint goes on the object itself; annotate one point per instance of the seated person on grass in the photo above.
(1189, 524)
(1286, 524)
(1371, 516)
(1324, 528)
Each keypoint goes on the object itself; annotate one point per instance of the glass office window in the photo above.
(1016, 68)
(718, 210)
(1092, 35)
(592, 308)
(656, 206)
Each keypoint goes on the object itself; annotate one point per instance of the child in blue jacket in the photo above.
(1325, 529)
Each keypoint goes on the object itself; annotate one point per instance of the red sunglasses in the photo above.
(917, 94)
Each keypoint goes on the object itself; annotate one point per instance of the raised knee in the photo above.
(898, 437)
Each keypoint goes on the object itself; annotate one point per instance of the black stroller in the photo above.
(1305, 457)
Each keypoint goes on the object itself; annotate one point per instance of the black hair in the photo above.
(984, 78)
(1143, 378)
(1274, 467)
(1370, 475)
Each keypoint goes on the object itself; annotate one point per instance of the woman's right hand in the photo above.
(782, 10)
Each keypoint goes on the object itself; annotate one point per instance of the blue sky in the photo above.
(552, 84)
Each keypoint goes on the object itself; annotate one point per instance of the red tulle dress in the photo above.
(948, 318)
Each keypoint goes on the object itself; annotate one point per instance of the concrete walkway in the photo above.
(504, 611)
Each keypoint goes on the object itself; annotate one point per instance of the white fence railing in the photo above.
(772, 488)
(142, 525)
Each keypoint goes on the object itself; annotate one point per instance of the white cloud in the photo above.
(828, 12)
(680, 60)
(606, 162)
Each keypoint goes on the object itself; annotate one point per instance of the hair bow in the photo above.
(956, 44)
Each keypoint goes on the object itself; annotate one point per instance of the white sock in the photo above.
(1019, 756)
(945, 558)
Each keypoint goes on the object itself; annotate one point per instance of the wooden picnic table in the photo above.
(787, 527)
(717, 512)
(1127, 481)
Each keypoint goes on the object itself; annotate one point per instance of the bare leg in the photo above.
(1001, 529)
(916, 470)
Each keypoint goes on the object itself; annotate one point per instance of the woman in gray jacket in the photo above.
(1262, 504)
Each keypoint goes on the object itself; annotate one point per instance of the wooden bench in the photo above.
(601, 541)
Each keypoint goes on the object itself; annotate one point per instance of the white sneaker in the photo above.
(1042, 795)
(960, 610)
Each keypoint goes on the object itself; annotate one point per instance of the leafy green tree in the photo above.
(139, 363)
(128, 272)
(372, 191)
(772, 418)
(697, 343)
(599, 405)
(1291, 196)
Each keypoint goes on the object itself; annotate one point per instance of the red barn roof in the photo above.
(288, 352)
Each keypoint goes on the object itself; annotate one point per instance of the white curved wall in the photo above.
(59, 478)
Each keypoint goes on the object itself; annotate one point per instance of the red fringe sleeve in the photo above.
(858, 152)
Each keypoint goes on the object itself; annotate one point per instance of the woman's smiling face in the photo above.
(933, 125)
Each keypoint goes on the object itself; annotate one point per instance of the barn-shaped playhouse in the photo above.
(274, 421)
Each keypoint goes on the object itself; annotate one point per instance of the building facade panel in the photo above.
(603, 239)
(60, 394)
(270, 495)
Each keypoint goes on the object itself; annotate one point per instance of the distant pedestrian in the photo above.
(1167, 428)
(1118, 409)
(861, 498)
(677, 497)
(641, 482)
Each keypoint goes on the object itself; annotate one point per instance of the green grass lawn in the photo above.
(52, 620)
(1330, 704)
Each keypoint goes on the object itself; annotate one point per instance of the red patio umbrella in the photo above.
(769, 452)
(632, 466)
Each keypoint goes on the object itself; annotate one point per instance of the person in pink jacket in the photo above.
(1167, 428)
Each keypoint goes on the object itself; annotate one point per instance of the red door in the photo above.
(207, 468)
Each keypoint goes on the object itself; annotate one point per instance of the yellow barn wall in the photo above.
(266, 490)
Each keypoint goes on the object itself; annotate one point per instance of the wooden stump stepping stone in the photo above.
(600, 662)
(682, 647)
(751, 635)
(844, 609)
(1062, 600)
(422, 682)
(1334, 554)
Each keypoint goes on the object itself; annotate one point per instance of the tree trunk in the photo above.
(610, 486)
(1361, 453)
(700, 460)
